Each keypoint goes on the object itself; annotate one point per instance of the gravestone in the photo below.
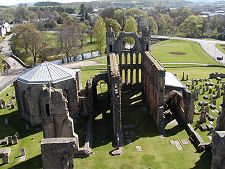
(203, 127)
(210, 91)
(184, 141)
(5, 159)
(6, 122)
(23, 151)
(138, 148)
(10, 140)
(203, 90)
(177, 143)
(15, 139)
(210, 117)
(17, 134)
(202, 117)
(209, 127)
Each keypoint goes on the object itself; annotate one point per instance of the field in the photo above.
(157, 153)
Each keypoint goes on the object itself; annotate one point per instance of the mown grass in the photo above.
(194, 53)
(28, 138)
(221, 47)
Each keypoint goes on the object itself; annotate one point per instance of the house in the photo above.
(4, 28)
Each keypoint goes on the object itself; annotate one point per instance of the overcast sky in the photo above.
(12, 2)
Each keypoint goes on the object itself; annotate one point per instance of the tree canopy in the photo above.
(100, 35)
(111, 23)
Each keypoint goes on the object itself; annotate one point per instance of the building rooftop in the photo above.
(173, 81)
(47, 73)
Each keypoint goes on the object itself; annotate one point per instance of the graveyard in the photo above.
(143, 146)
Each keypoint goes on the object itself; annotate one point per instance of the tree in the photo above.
(68, 41)
(82, 28)
(108, 13)
(192, 26)
(30, 39)
(130, 26)
(22, 13)
(119, 15)
(111, 23)
(100, 35)
(152, 25)
(161, 23)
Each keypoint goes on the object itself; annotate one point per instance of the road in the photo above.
(15, 68)
(209, 46)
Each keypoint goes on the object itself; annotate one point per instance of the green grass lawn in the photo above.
(193, 52)
(221, 47)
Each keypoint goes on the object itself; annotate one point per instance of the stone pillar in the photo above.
(15, 139)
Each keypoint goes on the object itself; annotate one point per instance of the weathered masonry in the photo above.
(166, 96)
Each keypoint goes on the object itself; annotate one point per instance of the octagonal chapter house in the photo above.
(30, 83)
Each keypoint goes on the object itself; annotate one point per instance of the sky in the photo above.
(12, 2)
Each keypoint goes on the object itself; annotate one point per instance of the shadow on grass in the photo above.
(173, 131)
(205, 160)
(34, 163)
(15, 125)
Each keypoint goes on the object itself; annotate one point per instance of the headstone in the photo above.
(9, 140)
(15, 139)
(211, 122)
(205, 97)
(210, 117)
(27, 126)
(17, 134)
(5, 159)
(172, 142)
(184, 141)
(196, 112)
(177, 143)
(3, 103)
(210, 138)
(203, 127)
(207, 88)
(186, 77)
(203, 90)
(202, 117)
(210, 91)
(138, 148)
(182, 77)
(200, 87)
(209, 127)
(6, 122)
(212, 106)
(23, 151)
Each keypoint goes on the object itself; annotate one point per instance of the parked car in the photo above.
(220, 58)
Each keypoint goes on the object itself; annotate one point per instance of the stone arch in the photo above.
(118, 47)
(95, 81)
(173, 107)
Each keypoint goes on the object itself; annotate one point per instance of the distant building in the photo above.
(4, 28)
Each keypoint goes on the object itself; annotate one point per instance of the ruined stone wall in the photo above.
(58, 153)
(130, 67)
(115, 97)
(218, 141)
(27, 97)
(56, 121)
(153, 80)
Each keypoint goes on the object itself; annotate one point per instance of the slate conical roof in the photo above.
(45, 73)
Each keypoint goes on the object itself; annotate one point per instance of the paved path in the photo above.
(15, 68)
(209, 46)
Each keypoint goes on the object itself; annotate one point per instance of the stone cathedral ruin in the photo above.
(52, 95)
